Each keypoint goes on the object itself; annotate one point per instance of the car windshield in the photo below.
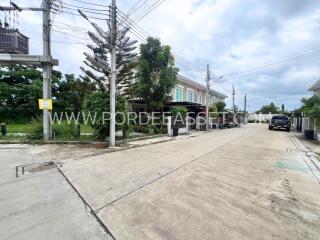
(280, 118)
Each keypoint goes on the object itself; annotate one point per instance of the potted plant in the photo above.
(179, 115)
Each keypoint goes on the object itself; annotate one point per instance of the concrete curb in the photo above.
(308, 157)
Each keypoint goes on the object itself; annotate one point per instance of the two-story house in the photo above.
(189, 91)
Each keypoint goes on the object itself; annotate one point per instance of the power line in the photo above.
(75, 14)
(157, 4)
(266, 65)
(142, 34)
(88, 11)
(135, 6)
(89, 3)
(86, 8)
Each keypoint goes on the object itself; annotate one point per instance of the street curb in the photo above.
(308, 157)
(93, 143)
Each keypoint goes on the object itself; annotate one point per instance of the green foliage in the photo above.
(98, 59)
(271, 108)
(179, 110)
(99, 103)
(218, 106)
(311, 108)
(36, 130)
(156, 74)
(126, 127)
(21, 87)
(66, 131)
(70, 94)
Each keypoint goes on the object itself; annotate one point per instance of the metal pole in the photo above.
(245, 108)
(233, 96)
(47, 69)
(208, 96)
(112, 139)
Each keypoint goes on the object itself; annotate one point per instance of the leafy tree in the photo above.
(271, 108)
(156, 74)
(71, 92)
(98, 59)
(21, 87)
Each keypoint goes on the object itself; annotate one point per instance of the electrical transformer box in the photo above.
(13, 42)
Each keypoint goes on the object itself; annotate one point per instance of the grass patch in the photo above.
(28, 128)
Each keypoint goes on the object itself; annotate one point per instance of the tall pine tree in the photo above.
(98, 59)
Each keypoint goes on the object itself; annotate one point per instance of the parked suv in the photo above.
(279, 122)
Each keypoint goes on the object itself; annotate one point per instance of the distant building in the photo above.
(316, 87)
(189, 91)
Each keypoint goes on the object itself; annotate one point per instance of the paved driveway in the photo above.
(40, 206)
(247, 183)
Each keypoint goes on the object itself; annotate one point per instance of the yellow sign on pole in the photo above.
(45, 104)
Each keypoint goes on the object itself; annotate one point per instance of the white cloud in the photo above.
(234, 35)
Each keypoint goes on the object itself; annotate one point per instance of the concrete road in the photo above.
(42, 205)
(247, 183)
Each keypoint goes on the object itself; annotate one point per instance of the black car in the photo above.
(280, 122)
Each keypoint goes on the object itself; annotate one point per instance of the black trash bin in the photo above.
(175, 131)
(309, 134)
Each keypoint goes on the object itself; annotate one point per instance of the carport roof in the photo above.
(315, 86)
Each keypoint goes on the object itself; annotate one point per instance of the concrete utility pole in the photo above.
(208, 96)
(45, 61)
(112, 138)
(233, 97)
(47, 69)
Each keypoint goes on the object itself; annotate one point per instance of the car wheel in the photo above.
(288, 129)
(270, 128)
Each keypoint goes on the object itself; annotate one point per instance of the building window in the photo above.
(190, 96)
(200, 99)
(207, 100)
(196, 97)
(179, 95)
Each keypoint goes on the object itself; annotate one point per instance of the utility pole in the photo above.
(245, 108)
(112, 138)
(47, 69)
(208, 96)
(233, 98)
(45, 61)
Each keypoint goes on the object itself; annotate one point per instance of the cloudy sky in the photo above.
(269, 49)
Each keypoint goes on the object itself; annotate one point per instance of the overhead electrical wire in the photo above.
(135, 6)
(87, 11)
(143, 35)
(180, 63)
(76, 14)
(90, 3)
(154, 6)
(133, 26)
(86, 8)
(266, 65)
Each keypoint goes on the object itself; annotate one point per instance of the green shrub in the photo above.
(36, 130)
(99, 103)
(66, 131)
(179, 110)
